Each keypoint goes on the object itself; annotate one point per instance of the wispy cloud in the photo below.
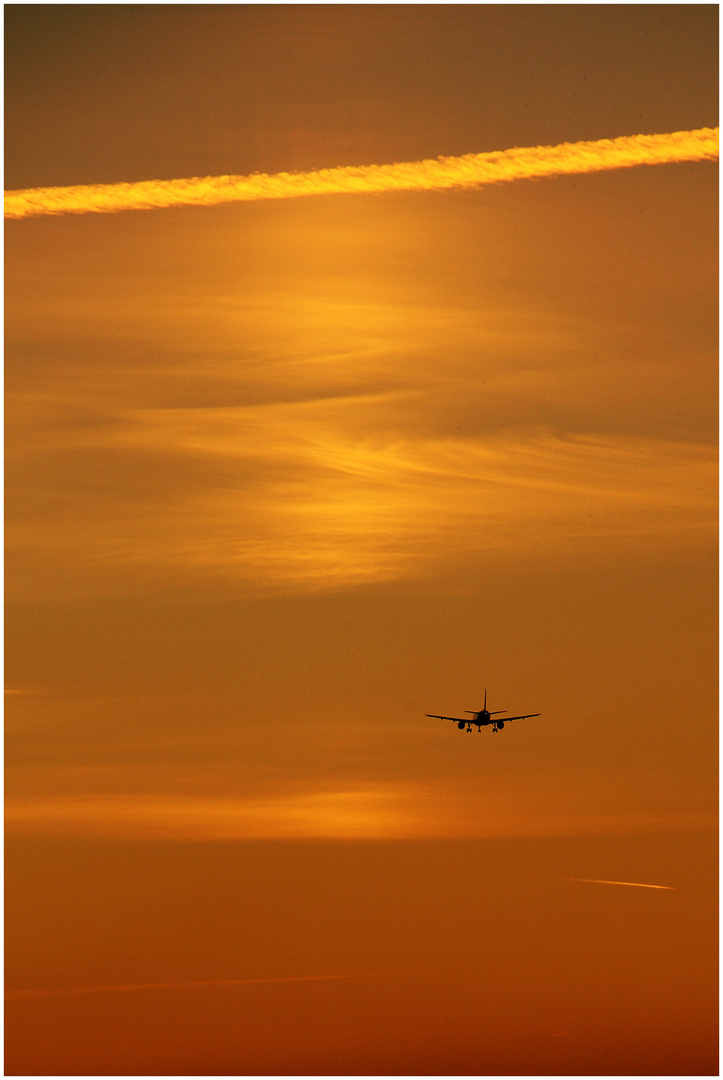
(361, 811)
(467, 171)
(379, 811)
(301, 496)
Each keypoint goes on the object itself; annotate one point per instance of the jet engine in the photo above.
(461, 725)
(500, 725)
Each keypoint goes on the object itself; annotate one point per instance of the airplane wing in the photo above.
(457, 719)
(525, 717)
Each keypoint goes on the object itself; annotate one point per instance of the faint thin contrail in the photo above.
(468, 171)
(636, 884)
(70, 991)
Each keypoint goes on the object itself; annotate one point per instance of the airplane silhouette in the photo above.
(483, 718)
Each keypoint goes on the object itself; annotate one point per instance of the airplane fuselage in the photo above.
(483, 718)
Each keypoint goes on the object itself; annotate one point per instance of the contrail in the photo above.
(636, 884)
(71, 991)
(468, 171)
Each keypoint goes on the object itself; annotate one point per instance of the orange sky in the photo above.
(283, 477)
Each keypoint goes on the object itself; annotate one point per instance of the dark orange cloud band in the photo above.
(468, 171)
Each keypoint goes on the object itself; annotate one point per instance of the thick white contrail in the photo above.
(469, 171)
(636, 884)
(72, 991)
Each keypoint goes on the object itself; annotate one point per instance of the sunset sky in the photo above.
(285, 475)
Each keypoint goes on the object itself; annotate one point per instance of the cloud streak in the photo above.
(371, 810)
(363, 811)
(467, 171)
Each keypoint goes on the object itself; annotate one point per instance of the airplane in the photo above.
(483, 718)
